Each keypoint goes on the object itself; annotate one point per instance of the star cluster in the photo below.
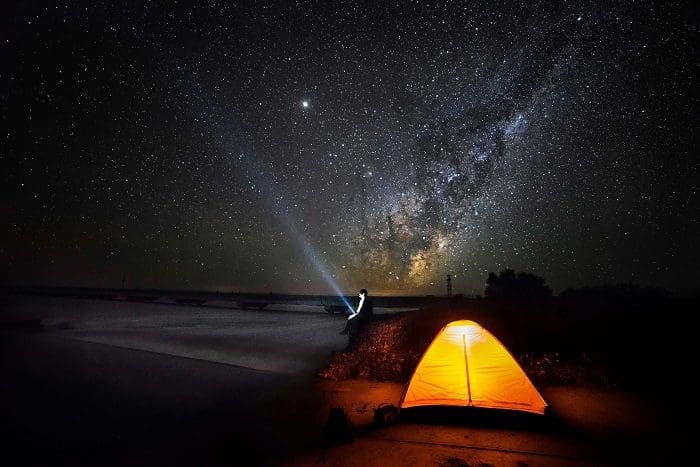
(249, 146)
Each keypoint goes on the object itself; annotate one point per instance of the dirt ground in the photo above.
(587, 426)
(604, 376)
(612, 386)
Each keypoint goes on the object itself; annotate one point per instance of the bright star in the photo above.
(305, 104)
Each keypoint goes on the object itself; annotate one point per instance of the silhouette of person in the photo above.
(358, 319)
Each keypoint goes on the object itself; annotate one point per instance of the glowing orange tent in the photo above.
(467, 366)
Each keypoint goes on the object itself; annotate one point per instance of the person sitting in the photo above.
(357, 319)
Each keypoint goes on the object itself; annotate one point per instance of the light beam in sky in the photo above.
(254, 172)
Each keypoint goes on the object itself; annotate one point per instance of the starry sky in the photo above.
(323, 146)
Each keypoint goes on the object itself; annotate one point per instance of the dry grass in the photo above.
(554, 348)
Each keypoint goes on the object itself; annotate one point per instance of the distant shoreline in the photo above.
(202, 296)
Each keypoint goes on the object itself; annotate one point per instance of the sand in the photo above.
(590, 426)
(143, 384)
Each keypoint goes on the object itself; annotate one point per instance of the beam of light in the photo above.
(253, 172)
(314, 259)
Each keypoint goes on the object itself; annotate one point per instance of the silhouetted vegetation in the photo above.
(565, 343)
(522, 288)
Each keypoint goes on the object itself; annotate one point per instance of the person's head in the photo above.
(363, 293)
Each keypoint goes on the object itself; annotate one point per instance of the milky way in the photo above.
(244, 147)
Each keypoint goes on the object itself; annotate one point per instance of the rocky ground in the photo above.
(602, 413)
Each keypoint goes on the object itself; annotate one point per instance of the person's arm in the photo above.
(357, 312)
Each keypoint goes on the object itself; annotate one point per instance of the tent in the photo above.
(467, 366)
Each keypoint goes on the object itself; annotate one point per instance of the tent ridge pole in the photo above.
(466, 365)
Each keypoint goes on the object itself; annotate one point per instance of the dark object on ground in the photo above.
(338, 429)
(335, 309)
(252, 305)
(385, 414)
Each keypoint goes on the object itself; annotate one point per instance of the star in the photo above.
(463, 149)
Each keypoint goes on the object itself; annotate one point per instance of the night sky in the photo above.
(283, 146)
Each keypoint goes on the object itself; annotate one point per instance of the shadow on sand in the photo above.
(483, 418)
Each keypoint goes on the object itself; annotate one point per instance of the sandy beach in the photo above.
(105, 383)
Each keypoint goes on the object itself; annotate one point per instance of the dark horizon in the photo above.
(600, 288)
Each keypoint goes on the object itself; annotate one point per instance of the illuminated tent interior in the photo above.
(467, 366)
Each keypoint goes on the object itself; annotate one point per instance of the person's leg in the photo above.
(356, 332)
(352, 334)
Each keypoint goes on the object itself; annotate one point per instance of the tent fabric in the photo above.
(467, 366)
